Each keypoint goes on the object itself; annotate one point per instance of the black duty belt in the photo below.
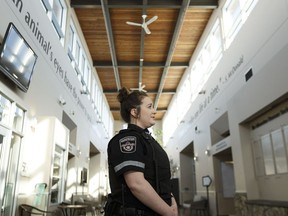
(129, 211)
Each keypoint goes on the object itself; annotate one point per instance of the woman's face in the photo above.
(147, 114)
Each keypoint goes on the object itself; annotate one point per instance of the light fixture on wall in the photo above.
(195, 158)
(207, 152)
(33, 123)
(84, 92)
(61, 101)
(197, 131)
(78, 151)
(202, 92)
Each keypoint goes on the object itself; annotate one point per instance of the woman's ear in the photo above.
(134, 112)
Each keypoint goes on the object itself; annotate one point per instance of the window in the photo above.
(5, 107)
(215, 44)
(71, 37)
(87, 76)
(258, 159)
(233, 14)
(169, 123)
(99, 102)
(246, 7)
(105, 117)
(18, 119)
(79, 59)
(77, 53)
(279, 151)
(56, 11)
(11, 129)
(270, 153)
(92, 90)
(196, 78)
(231, 19)
(182, 95)
(82, 64)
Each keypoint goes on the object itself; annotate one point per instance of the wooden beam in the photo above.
(108, 64)
(138, 4)
(110, 92)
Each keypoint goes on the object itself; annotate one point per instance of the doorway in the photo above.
(95, 172)
(72, 172)
(188, 174)
(224, 182)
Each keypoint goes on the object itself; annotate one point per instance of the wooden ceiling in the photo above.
(125, 56)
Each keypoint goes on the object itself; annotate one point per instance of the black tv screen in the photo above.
(17, 59)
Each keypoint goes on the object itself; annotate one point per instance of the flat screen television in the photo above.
(17, 59)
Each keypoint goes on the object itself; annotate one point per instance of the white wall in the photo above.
(48, 83)
(262, 45)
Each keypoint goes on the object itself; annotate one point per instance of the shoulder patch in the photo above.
(128, 144)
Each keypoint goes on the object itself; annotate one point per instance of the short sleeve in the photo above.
(126, 153)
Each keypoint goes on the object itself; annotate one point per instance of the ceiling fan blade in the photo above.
(133, 23)
(146, 29)
(151, 20)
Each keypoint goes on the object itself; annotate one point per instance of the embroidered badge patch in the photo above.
(128, 144)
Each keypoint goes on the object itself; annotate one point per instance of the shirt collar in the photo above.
(137, 128)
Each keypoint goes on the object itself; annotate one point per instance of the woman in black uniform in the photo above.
(139, 169)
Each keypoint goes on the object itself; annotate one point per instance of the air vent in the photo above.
(249, 74)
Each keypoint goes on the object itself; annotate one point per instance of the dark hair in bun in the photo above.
(129, 100)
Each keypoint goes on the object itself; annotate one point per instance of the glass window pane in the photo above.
(77, 53)
(285, 131)
(231, 20)
(87, 77)
(71, 37)
(268, 155)
(279, 151)
(5, 107)
(58, 11)
(3, 140)
(231, 14)
(18, 119)
(215, 42)
(247, 5)
(82, 67)
(258, 159)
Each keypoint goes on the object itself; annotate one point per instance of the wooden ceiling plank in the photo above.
(159, 56)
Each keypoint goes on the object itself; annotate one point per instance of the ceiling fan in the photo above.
(140, 88)
(144, 24)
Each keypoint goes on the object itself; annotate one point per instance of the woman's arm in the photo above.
(144, 192)
(174, 204)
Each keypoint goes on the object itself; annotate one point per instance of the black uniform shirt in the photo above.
(132, 150)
